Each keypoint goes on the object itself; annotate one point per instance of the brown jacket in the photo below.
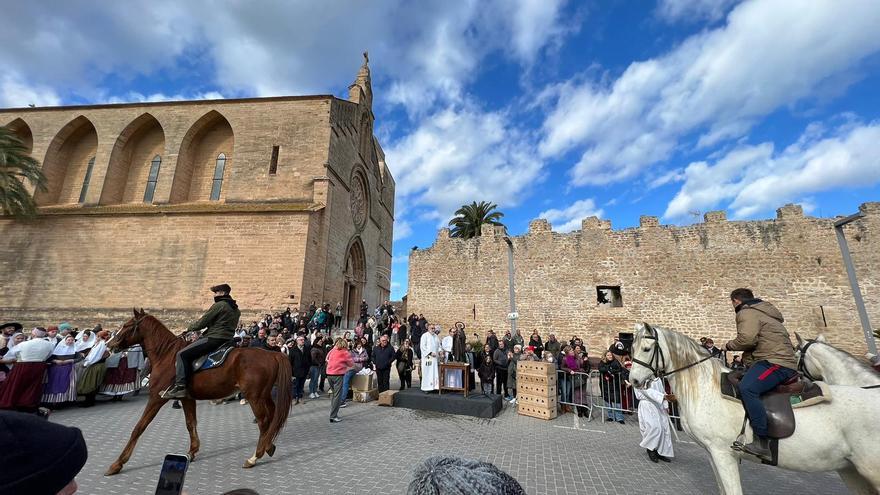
(761, 335)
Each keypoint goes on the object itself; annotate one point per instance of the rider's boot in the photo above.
(759, 447)
(176, 391)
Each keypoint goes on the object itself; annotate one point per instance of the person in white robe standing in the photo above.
(654, 421)
(430, 345)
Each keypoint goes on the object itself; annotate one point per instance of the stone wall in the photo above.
(678, 277)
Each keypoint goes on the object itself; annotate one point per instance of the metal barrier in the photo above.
(614, 399)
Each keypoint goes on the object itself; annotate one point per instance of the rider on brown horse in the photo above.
(221, 321)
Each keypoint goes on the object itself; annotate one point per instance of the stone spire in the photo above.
(361, 90)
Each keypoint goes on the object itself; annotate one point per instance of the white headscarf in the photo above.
(82, 345)
(11, 343)
(62, 349)
(96, 353)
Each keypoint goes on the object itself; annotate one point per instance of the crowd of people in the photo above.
(52, 367)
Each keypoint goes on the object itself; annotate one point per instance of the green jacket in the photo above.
(221, 320)
(761, 335)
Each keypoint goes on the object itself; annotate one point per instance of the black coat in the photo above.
(383, 357)
(613, 375)
(300, 361)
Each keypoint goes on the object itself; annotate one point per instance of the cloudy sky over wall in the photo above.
(549, 108)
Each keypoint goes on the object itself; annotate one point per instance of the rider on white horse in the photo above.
(769, 355)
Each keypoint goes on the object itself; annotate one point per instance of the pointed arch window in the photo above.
(152, 179)
(86, 179)
(219, 168)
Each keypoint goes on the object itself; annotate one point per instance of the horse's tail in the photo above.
(283, 397)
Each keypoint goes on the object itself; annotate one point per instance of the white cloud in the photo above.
(569, 218)
(425, 51)
(402, 229)
(693, 10)
(460, 154)
(770, 54)
(753, 179)
(134, 96)
(674, 175)
(16, 93)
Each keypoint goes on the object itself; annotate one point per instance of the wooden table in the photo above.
(461, 368)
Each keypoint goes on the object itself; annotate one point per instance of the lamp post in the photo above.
(853, 281)
(513, 315)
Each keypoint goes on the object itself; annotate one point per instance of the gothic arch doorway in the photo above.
(355, 279)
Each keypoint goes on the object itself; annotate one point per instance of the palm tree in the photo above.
(16, 166)
(469, 219)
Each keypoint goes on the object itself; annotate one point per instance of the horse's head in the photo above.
(649, 360)
(130, 334)
(807, 364)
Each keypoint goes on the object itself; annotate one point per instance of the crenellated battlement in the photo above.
(678, 276)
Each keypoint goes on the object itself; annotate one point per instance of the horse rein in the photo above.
(659, 359)
(802, 364)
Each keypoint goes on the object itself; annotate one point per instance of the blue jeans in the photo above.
(615, 414)
(345, 381)
(314, 376)
(761, 378)
(298, 386)
(565, 386)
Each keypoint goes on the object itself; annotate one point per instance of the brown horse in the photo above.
(252, 371)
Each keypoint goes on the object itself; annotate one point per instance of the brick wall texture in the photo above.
(268, 236)
(679, 277)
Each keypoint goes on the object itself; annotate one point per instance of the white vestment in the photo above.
(653, 418)
(446, 347)
(430, 344)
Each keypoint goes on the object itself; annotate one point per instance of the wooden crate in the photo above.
(546, 380)
(366, 396)
(534, 411)
(538, 401)
(536, 389)
(386, 398)
(535, 368)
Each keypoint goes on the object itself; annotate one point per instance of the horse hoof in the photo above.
(248, 464)
(271, 450)
(114, 469)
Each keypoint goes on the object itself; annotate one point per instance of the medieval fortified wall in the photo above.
(679, 277)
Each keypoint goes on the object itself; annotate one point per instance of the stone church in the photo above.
(287, 199)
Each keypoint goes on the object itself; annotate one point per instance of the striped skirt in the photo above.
(60, 385)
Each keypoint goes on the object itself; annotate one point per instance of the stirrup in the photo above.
(739, 443)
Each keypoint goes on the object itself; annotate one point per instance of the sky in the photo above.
(549, 108)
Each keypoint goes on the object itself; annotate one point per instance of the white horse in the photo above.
(840, 435)
(819, 360)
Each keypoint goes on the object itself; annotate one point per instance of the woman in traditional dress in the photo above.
(94, 369)
(60, 387)
(7, 354)
(122, 373)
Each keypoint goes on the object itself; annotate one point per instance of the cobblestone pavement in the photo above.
(374, 449)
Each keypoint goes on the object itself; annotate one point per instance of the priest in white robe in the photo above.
(430, 346)
(654, 421)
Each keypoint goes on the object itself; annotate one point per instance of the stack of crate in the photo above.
(536, 389)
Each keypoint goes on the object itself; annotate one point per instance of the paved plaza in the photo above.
(374, 449)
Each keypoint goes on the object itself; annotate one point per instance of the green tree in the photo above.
(469, 219)
(16, 167)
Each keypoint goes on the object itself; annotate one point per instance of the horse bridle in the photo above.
(658, 360)
(802, 360)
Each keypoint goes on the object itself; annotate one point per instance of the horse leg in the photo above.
(726, 472)
(856, 482)
(189, 412)
(258, 406)
(149, 413)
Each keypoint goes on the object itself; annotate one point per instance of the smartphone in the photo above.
(173, 473)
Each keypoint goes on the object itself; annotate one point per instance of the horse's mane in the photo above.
(855, 364)
(166, 341)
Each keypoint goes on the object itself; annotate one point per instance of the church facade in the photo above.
(287, 199)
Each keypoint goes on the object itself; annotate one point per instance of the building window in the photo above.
(273, 165)
(152, 179)
(218, 177)
(609, 296)
(86, 179)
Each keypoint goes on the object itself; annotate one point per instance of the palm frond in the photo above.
(16, 167)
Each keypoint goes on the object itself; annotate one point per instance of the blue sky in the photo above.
(549, 108)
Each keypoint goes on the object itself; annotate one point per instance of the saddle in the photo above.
(781, 401)
(213, 359)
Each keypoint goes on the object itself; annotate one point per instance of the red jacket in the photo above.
(339, 361)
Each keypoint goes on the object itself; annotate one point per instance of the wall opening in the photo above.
(273, 164)
(609, 296)
(152, 178)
